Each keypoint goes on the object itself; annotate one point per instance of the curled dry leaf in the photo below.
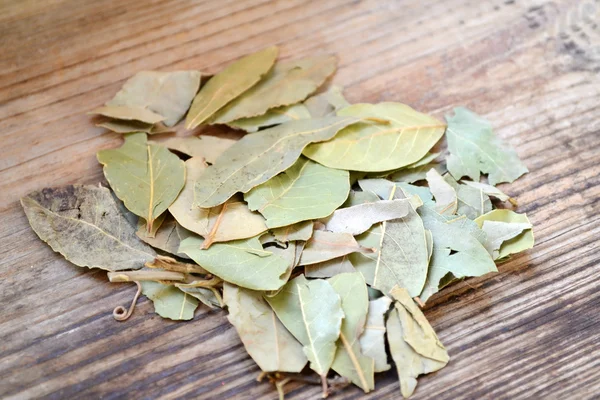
(228, 84)
(83, 223)
(146, 177)
(256, 158)
(265, 338)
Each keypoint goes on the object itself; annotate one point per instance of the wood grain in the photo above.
(532, 67)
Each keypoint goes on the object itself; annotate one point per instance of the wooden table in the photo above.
(531, 331)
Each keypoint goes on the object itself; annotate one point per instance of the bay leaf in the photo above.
(520, 242)
(312, 312)
(472, 202)
(274, 116)
(410, 363)
(230, 83)
(324, 246)
(169, 301)
(146, 177)
(378, 147)
(207, 147)
(291, 253)
(83, 223)
(205, 295)
(499, 232)
(474, 148)
(129, 114)
(241, 262)
(167, 237)
(305, 191)
(256, 158)
(383, 188)
(289, 82)
(298, 231)
(349, 360)
(265, 338)
(460, 235)
(358, 219)
(427, 159)
(326, 103)
(229, 221)
(167, 94)
(150, 233)
(403, 257)
(329, 268)
(124, 126)
(372, 340)
(445, 196)
(411, 175)
(490, 190)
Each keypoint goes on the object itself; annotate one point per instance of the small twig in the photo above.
(132, 276)
(204, 283)
(279, 386)
(120, 313)
(513, 202)
(324, 386)
(418, 300)
(171, 264)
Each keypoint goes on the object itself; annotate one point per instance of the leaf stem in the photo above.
(132, 276)
(120, 313)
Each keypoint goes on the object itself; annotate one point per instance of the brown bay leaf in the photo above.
(146, 177)
(229, 221)
(230, 83)
(289, 82)
(83, 223)
(265, 338)
(256, 158)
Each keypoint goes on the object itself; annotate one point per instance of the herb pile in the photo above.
(322, 231)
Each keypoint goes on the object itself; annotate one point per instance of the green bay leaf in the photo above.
(166, 238)
(305, 191)
(256, 158)
(169, 301)
(146, 177)
(229, 221)
(84, 224)
(228, 84)
(265, 338)
(289, 82)
(241, 262)
(349, 360)
(312, 312)
(474, 148)
(407, 138)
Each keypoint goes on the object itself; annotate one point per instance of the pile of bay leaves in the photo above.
(323, 231)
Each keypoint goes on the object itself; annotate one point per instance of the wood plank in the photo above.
(530, 331)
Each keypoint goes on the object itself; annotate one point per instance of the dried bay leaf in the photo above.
(146, 177)
(460, 235)
(208, 297)
(371, 147)
(372, 340)
(403, 257)
(445, 196)
(229, 221)
(299, 231)
(516, 244)
(358, 219)
(265, 338)
(305, 191)
(241, 262)
(349, 360)
(124, 126)
(324, 246)
(129, 114)
(411, 175)
(207, 147)
(167, 237)
(274, 116)
(83, 223)
(326, 103)
(166, 94)
(474, 148)
(169, 301)
(289, 82)
(490, 190)
(228, 84)
(500, 232)
(256, 158)
(472, 202)
(329, 268)
(312, 312)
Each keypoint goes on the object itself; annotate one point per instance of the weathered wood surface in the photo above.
(532, 67)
